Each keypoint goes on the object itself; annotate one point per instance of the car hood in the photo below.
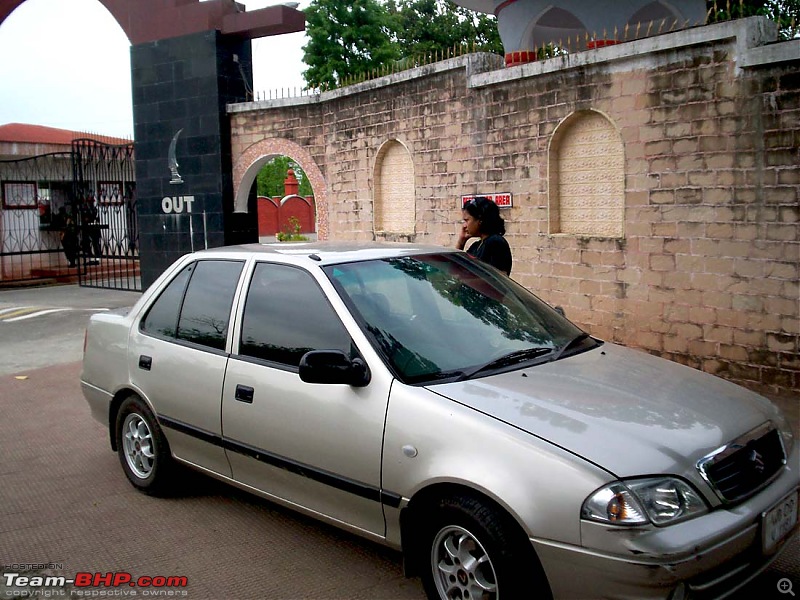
(626, 411)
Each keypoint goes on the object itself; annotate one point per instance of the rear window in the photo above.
(196, 305)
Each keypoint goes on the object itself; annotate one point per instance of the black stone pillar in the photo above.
(184, 183)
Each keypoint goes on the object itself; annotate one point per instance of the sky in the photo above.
(66, 64)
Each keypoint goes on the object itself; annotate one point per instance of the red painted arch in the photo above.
(151, 20)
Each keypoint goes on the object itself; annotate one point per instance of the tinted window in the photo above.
(206, 308)
(162, 318)
(286, 315)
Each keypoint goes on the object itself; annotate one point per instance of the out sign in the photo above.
(177, 204)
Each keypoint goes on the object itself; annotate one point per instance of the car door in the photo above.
(178, 356)
(315, 446)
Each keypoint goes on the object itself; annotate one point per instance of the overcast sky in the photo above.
(67, 64)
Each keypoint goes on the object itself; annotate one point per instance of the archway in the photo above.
(249, 163)
(151, 20)
(215, 37)
(84, 86)
(130, 16)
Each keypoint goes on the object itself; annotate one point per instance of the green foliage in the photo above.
(345, 39)
(431, 27)
(272, 175)
(352, 39)
(292, 233)
(786, 13)
(549, 51)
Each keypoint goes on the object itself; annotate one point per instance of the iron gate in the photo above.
(71, 216)
(104, 202)
(30, 242)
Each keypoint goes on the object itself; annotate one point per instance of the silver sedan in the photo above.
(424, 400)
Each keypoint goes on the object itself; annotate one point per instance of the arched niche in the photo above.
(586, 185)
(394, 200)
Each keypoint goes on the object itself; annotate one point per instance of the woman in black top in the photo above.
(482, 219)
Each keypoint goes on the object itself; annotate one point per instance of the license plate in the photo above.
(778, 521)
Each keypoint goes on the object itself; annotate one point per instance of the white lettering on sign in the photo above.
(177, 204)
(503, 200)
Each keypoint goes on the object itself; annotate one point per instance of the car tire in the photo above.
(475, 550)
(142, 448)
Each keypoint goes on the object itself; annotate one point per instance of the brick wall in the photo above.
(706, 271)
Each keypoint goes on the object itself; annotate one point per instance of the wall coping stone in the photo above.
(748, 33)
(754, 37)
(787, 51)
(475, 63)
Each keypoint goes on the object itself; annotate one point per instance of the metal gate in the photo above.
(30, 240)
(70, 216)
(104, 197)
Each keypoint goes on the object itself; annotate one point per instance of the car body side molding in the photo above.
(358, 488)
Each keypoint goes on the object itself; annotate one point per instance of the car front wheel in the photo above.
(478, 553)
(143, 451)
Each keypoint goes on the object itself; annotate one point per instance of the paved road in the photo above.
(64, 499)
(44, 326)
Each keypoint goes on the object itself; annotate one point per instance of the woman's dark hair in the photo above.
(486, 211)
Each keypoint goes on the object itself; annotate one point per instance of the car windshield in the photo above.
(445, 317)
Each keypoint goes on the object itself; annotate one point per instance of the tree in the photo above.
(431, 27)
(269, 181)
(786, 13)
(345, 39)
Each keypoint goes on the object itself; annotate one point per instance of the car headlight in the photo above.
(657, 500)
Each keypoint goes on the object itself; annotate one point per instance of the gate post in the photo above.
(183, 145)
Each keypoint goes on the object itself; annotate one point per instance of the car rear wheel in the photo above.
(478, 553)
(142, 448)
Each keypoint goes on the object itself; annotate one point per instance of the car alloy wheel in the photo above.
(137, 443)
(142, 448)
(475, 550)
(462, 568)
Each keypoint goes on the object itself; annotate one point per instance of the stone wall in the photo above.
(705, 271)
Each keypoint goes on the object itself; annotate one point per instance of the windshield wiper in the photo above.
(506, 360)
(571, 343)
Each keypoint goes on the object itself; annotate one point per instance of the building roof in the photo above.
(525, 25)
(23, 133)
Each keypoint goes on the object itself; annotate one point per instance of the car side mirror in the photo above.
(333, 366)
(560, 310)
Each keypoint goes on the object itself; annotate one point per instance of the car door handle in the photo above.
(244, 394)
(145, 362)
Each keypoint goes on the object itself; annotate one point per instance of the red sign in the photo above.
(503, 200)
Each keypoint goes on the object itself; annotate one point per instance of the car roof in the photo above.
(321, 253)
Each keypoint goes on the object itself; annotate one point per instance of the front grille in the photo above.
(745, 465)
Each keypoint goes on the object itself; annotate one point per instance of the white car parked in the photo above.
(422, 399)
